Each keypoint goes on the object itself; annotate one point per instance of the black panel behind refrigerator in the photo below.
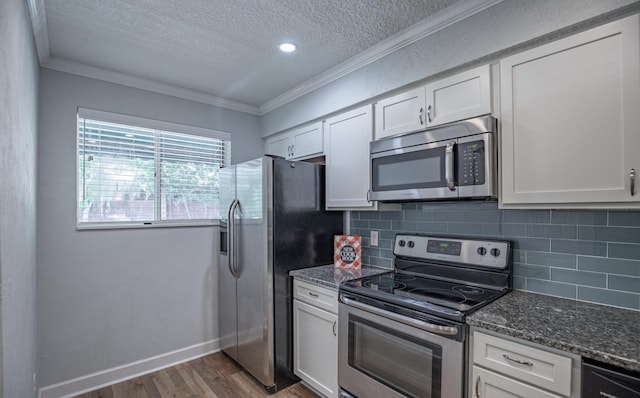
(303, 237)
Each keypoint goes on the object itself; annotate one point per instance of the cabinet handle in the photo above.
(478, 387)
(632, 180)
(334, 328)
(518, 361)
(369, 196)
(293, 150)
(429, 113)
(289, 150)
(420, 116)
(312, 294)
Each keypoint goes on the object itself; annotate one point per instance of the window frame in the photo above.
(152, 124)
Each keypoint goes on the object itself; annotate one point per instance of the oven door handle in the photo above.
(429, 327)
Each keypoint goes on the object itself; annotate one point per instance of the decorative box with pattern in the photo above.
(347, 251)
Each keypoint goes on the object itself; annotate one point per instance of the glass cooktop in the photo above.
(422, 293)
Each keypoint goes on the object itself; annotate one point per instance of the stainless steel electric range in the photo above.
(403, 333)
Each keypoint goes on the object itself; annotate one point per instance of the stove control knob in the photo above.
(401, 243)
(482, 251)
(495, 252)
(410, 244)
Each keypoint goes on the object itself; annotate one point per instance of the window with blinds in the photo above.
(139, 171)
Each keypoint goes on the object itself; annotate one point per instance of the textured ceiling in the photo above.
(225, 48)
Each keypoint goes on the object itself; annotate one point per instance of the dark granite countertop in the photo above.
(329, 276)
(607, 334)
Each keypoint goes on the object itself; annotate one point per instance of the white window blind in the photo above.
(140, 171)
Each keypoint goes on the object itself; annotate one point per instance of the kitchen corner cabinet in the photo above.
(299, 143)
(458, 97)
(507, 367)
(348, 174)
(315, 336)
(570, 121)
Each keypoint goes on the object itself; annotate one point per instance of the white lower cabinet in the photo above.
(315, 337)
(488, 384)
(507, 367)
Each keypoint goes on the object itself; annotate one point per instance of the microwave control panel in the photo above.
(471, 165)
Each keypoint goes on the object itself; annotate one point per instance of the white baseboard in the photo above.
(93, 381)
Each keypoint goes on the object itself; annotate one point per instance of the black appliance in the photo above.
(276, 222)
(600, 380)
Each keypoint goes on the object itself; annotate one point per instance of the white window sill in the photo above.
(157, 224)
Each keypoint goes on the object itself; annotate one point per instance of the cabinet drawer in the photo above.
(486, 384)
(529, 364)
(319, 296)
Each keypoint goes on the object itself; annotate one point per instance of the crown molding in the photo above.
(79, 69)
(449, 16)
(39, 27)
(41, 38)
(458, 12)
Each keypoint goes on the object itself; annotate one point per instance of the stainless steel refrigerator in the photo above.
(275, 222)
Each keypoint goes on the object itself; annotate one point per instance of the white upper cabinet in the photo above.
(348, 173)
(401, 113)
(570, 117)
(299, 143)
(279, 145)
(462, 96)
(459, 97)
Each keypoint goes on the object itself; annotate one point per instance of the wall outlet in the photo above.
(374, 238)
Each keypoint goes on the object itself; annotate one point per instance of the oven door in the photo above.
(425, 171)
(381, 357)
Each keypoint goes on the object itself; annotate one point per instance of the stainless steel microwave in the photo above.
(453, 161)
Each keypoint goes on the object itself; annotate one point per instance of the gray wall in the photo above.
(112, 297)
(484, 37)
(582, 255)
(18, 137)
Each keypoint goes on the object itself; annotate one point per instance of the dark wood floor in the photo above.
(214, 375)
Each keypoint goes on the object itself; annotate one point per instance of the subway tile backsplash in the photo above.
(578, 254)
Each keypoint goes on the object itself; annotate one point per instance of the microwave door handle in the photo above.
(448, 165)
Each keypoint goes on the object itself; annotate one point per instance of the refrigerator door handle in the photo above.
(231, 241)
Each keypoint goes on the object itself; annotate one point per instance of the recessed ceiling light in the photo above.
(287, 47)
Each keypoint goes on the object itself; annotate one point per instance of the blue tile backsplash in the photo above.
(578, 254)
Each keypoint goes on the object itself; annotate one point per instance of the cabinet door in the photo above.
(401, 113)
(348, 172)
(486, 384)
(570, 120)
(279, 145)
(315, 351)
(307, 141)
(463, 96)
